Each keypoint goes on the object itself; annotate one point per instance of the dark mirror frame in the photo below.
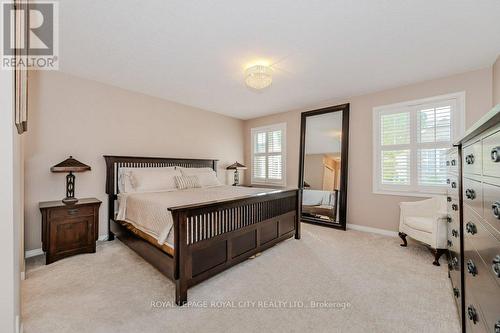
(342, 218)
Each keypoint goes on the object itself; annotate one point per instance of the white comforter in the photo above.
(149, 213)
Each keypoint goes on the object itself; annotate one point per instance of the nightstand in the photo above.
(69, 229)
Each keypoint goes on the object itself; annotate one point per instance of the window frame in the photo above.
(457, 129)
(267, 128)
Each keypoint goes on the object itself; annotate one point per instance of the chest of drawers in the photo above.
(479, 225)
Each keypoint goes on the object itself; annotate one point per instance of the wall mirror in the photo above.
(323, 165)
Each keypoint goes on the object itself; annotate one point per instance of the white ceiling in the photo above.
(195, 52)
(323, 133)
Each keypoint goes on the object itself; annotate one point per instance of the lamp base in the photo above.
(70, 201)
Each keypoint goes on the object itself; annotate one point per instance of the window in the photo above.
(411, 140)
(268, 154)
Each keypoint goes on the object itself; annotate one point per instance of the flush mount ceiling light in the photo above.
(258, 76)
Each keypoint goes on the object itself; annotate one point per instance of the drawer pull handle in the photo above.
(448, 199)
(470, 194)
(456, 292)
(472, 313)
(496, 209)
(73, 211)
(495, 156)
(471, 228)
(454, 233)
(454, 207)
(469, 159)
(471, 268)
(453, 185)
(496, 265)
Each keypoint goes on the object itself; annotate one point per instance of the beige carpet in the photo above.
(370, 283)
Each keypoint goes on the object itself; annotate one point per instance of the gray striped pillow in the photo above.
(185, 182)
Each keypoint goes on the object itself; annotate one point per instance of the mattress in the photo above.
(148, 211)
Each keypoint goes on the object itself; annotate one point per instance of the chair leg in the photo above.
(403, 237)
(437, 254)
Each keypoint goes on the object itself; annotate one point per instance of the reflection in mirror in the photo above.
(322, 178)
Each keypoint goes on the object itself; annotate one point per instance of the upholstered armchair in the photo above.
(425, 221)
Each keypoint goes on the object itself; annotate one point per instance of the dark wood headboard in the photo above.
(114, 163)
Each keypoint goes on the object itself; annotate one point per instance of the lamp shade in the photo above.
(70, 165)
(236, 166)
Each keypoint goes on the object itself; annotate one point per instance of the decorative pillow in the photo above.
(154, 179)
(185, 182)
(126, 182)
(207, 176)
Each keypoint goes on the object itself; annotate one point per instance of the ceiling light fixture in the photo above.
(258, 76)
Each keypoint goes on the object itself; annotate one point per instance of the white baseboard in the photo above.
(372, 230)
(33, 253)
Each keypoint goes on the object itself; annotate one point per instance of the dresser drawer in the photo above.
(452, 186)
(481, 286)
(472, 159)
(473, 195)
(70, 211)
(491, 155)
(452, 161)
(492, 205)
(486, 243)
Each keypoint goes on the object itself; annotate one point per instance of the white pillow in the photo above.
(209, 179)
(206, 176)
(154, 179)
(194, 171)
(125, 180)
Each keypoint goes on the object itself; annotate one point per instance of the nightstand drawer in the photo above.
(70, 212)
(71, 234)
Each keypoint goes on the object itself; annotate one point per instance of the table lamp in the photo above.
(236, 166)
(70, 165)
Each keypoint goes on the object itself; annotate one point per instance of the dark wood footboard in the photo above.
(212, 237)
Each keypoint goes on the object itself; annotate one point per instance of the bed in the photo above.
(211, 229)
(320, 204)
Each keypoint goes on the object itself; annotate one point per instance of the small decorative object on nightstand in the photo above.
(70, 165)
(69, 230)
(236, 166)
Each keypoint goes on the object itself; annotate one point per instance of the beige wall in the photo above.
(86, 119)
(313, 170)
(364, 207)
(496, 82)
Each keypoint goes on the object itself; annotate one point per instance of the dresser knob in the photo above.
(496, 209)
(471, 228)
(495, 156)
(496, 265)
(471, 267)
(470, 194)
(469, 159)
(472, 314)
